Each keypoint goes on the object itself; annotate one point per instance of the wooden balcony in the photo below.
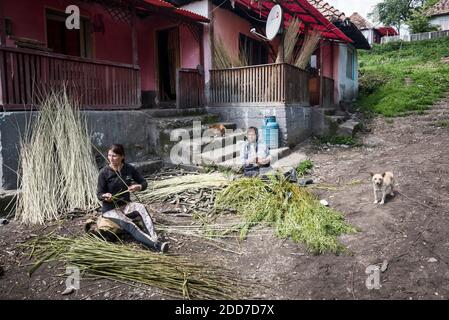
(261, 85)
(24, 74)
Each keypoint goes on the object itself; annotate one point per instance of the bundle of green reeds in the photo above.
(57, 168)
(165, 189)
(294, 212)
(311, 40)
(177, 275)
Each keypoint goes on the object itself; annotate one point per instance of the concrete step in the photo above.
(160, 113)
(328, 111)
(185, 135)
(337, 119)
(348, 128)
(184, 121)
(216, 142)
(221, 154)
(148, 167)
(290, 161)
(189, 129)
(235, 164)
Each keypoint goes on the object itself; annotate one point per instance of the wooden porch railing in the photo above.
(189, 88)
(328, 92)
(25, 73)
(258, 85)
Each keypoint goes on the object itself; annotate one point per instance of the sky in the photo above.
(361, 6)
(350, 6)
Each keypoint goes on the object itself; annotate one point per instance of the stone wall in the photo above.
(136, 130)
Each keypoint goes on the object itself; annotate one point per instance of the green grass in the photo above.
(293, 211)
(401, 77)
(338, 140)
(304, 167)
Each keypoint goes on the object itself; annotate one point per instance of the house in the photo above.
(343, 55)
(139, 58)
(126, 55)
(439, 15)
(265, 85)
(371, 33)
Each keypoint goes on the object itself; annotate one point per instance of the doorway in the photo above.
(168, 62)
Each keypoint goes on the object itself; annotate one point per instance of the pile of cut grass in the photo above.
(178, 276)
(293, 211)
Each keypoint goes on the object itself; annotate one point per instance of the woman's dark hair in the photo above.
(117, 149)
(256, 131)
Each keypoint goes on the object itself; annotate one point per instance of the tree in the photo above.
(419, 21)
(394, 12)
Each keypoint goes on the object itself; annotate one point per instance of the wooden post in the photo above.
(2, 55)
(134, 35)
(2, 79)
(2, 25)
(178, 89)
(321, 73)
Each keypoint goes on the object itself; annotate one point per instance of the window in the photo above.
(8, 27)
(70, 42)
(254, 51)
(350, 65)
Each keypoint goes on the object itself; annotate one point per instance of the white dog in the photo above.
(383, 183)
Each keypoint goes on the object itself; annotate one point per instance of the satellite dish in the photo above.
(274, 22)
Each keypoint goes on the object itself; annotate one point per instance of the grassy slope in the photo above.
(399, 78)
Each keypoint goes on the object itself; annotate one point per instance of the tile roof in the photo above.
(328, 11)
(360, 21)
(440, 8)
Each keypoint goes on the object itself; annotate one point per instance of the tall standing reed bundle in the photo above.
(311, 41)
(224, 58)
(291, 39)
(57, 169)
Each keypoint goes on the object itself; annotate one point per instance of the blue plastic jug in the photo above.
(270, 130)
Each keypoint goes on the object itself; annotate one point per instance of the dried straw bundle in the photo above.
(311, 41)
(291, 39)
(163, 189)
(57, 166)
(224, 59)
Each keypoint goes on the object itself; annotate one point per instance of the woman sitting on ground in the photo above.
(117, 179)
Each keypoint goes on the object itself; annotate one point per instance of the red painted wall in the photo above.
(28, 21)
(147, 29)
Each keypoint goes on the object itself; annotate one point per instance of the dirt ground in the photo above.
(410, 231)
